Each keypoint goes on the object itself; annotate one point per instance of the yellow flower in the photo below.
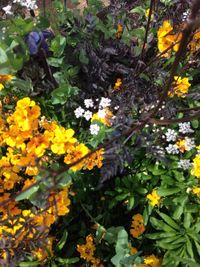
(118, 84)
(74, 153)
(154, 198)
(196, 191)
(166, 39)
(5, 77)
(87, 250)
(137, 225)
(194, 45)
(119, 31)
(105, 120)
(152, 261)
(1, 86)
(181, 144)
(181, 86)
(196, 166)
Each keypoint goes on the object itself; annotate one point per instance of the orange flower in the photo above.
(137, 225)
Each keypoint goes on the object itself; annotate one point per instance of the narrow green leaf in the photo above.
(62, 241)
(168, 220)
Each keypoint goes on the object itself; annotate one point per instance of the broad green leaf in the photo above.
(27, 193)
(163, 192)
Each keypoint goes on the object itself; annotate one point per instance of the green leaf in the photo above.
(55, 62)
(3, 56)
(160, 225)
(62, 241)
(82, 57)
(168, 220)
(27, 193)
(58, 45)
(160, 235)
(163, 192)
(27, 264)
(131, 202)
(69, 261)
(189, 247)
(138, 10)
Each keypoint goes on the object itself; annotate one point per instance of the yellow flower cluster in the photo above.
(137, 225)
(154, 198)
(27, 137)
(180, 87)
(166, 39)
(87, 252)
(196, 166)
(28, 141)
(119, 31)
(4, 78)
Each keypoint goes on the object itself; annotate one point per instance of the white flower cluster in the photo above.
(189, 143)
(29, 4)
(94, 129)
(87, 114)
(185, 127)
(171, 135)
(172, 149)
(184, 164)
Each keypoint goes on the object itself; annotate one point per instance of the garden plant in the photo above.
(100, 134)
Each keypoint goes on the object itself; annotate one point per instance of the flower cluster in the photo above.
(103, 114)
(137, 225)
(87, 252)
(180, 87)
(29, 4)
(181, 144)
(166, 39)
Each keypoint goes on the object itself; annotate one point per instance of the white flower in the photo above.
(88, 103)
(29, 4)
(185, 127)
(105, 102)
(79, 112)
(172, 149)
(184, 164)
(171, 135)
(7, 9)
(101, 113)
(189, 143)
(94, 129)
(87, 115)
